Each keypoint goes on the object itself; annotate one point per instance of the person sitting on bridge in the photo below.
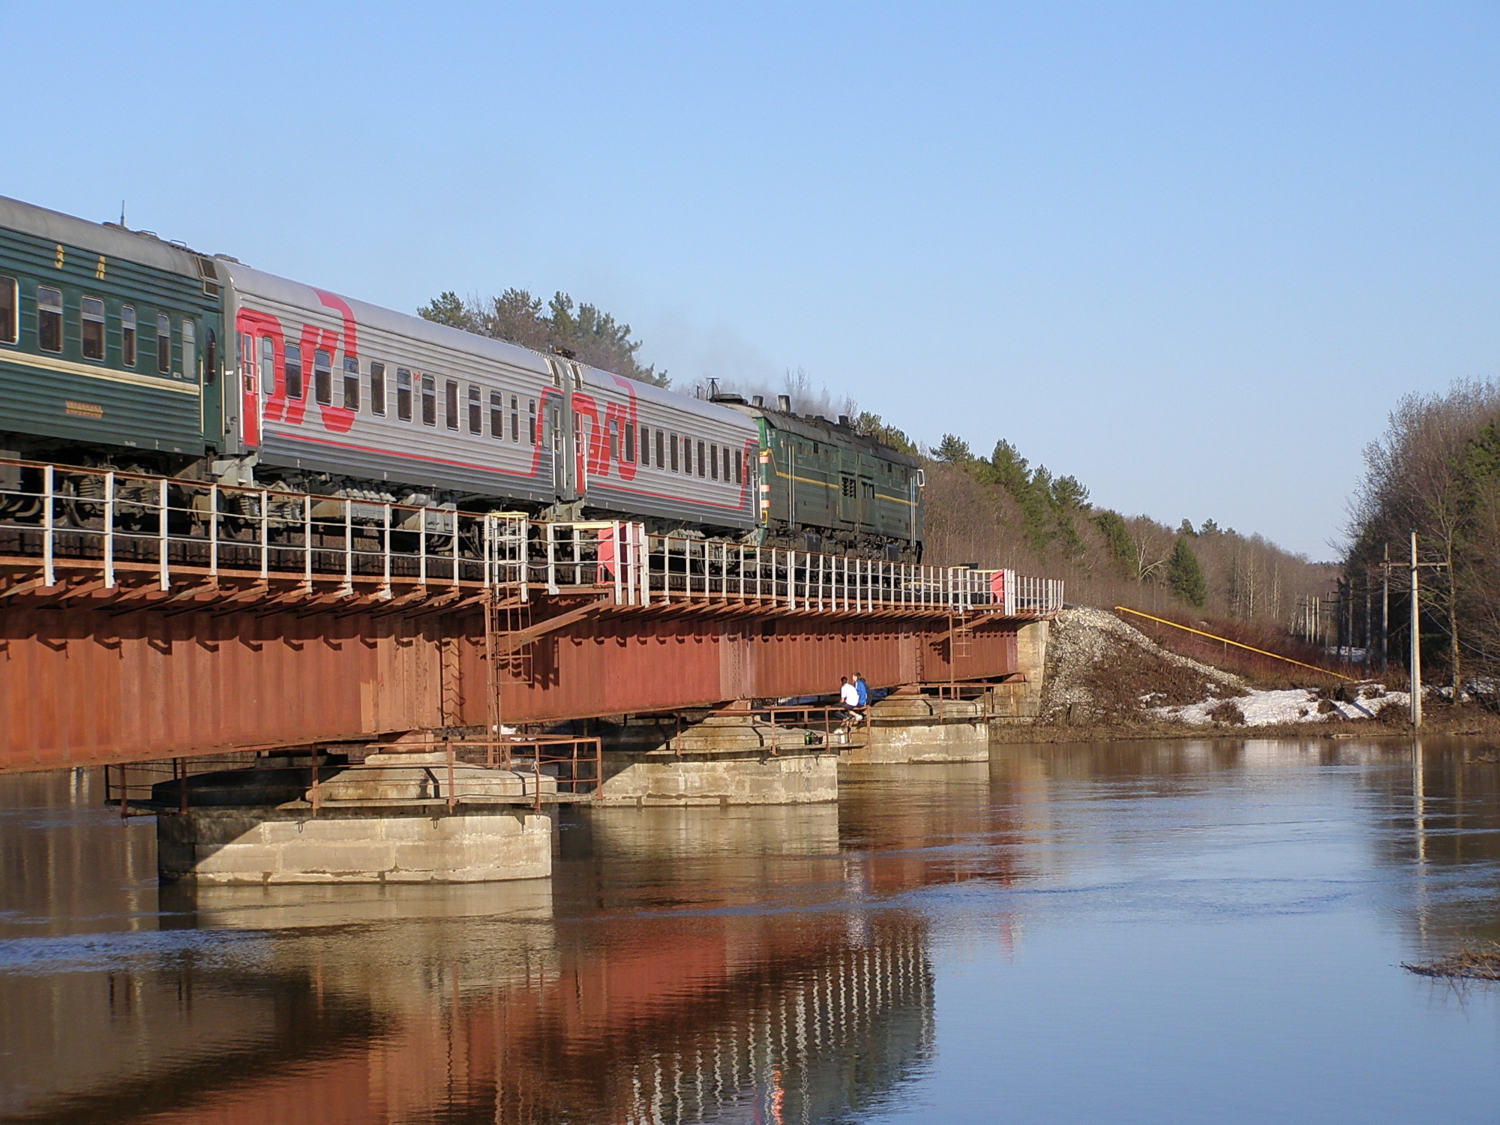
(863, 689)
(849, 699)
(854, 709)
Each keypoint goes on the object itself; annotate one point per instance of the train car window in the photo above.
(189, 351)
(497, 415)
(211, 358)
(556, 372)
(687, 456)
(630, 443)
(48, 318)
(700, 458)
(91, 315)
(10, 307)
(724, 454)
(351, 383)
(659, 445)
(127, 336)
(450, 403)
(515, 419)
(614, 439)
(713, 461)
(377, 388)
(323, 376)
(403, 394)
(739, 459)
(164, 346)
(645, 445)
(293, 369)
(476, 410)
(531, 425)
(429, 400)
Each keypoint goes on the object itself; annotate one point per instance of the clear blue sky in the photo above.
(1189, 253)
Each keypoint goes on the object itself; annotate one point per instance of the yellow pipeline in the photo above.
(1236, 644)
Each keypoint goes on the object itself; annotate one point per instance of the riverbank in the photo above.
(1444, 721)
(1105, 680)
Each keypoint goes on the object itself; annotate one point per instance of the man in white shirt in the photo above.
(849, 698)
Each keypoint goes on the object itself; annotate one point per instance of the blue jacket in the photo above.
(864, 691)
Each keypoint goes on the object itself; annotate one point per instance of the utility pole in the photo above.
(1385, 611)
(1416, 636)
(1416, 642)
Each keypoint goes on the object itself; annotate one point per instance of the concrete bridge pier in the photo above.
(923, 728)
(716, 758)
(392, 818)
(1021, 699)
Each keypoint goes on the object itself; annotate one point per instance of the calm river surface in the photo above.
(1153, 932)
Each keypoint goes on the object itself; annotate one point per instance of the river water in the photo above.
(1154, 932)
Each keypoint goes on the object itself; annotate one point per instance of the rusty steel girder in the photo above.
(85, 681)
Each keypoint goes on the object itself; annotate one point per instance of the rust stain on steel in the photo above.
(82, 686)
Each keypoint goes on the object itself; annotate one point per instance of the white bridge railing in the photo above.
(181, 530)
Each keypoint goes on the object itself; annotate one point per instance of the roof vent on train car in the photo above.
(844, 420)
(758, 400)
(210, 274)
(784, 403)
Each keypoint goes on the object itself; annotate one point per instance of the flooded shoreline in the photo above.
(1139, 931)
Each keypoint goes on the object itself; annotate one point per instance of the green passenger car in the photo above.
(109, 343)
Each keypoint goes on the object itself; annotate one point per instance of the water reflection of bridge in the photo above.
(690, 1000)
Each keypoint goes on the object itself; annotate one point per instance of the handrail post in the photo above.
(552, 558)
(265, 535)
(455, 547)
(422, 548)
(622, 558)
(109, 530)
(49, 574)
(385, 551)
(166, 578)
(449, 744)
(213, 530)
(307, 558)
(348, 547)
(644, 554)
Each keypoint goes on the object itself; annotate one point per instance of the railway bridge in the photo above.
(145, 618)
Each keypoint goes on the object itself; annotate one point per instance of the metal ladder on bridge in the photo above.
(960, 636)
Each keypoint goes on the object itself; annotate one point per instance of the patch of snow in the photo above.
(1286, 705)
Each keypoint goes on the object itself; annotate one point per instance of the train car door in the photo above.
(846, 465)
(555, 446)
(205, 339)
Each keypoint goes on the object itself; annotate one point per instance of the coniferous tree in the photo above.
(582, 331)
(1184, 575)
